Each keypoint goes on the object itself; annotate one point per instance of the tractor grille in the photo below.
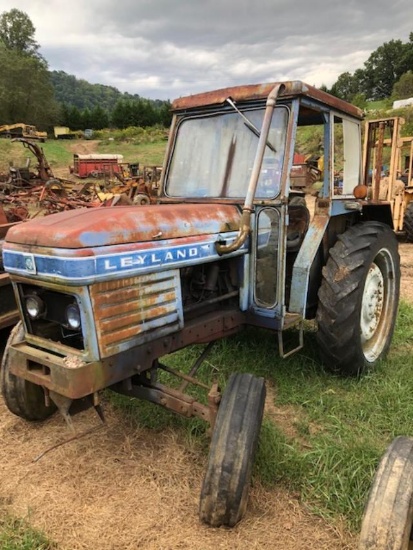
(138, 309)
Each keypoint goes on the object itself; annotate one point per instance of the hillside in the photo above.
(82, 94)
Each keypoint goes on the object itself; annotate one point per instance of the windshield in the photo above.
(213, 155)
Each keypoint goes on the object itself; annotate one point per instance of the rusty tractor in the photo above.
(104, 295)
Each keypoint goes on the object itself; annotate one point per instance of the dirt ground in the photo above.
(406, 261)
(125, 488)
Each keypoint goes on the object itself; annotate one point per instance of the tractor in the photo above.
(105, 294)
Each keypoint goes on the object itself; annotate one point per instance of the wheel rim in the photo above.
(377, 305)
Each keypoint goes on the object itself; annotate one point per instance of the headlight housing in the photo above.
(73, 316)
(35, 306)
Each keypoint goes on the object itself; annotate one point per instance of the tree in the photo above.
(86, 119)
(407, 60)
(74, 119)
(345, 87)
(17, 33)
(164, 114)
(384, 67)
(25, 90)
(99, 118)
(403, 88)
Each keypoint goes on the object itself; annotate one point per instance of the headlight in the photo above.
(34, 306)
(73, 316)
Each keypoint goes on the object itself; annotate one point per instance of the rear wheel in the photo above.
(358, 298)
(22, 398)
(408, 222)
(388, 516)
(224, 492)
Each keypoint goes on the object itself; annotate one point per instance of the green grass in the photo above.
(57, 153)
(146, 153)
(379, 105)
(147, 150)
(337, 429)
(16, 534)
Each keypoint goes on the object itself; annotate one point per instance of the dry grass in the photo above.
(126, 488)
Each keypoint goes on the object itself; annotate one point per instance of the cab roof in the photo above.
(252, 92)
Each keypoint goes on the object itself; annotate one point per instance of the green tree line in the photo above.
(387, 73)
(30, 93)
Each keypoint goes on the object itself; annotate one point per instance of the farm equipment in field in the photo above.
(388, 159)
(64, 132)
(21, 177)
(21, 130)
(104, 295)
(96, 165)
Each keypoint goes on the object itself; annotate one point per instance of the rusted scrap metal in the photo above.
(44, 171)
(26, 194)
(23, 205)
(140, 187)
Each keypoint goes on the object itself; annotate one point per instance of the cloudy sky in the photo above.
(163, 49)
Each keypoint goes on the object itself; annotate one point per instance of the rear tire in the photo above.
(388, 515)
(408, 222)
(358, 298)
(22, 398)
(224, 492)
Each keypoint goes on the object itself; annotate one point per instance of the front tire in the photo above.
(358, 298)
(22, 398)
(224, 492)
(388, 515)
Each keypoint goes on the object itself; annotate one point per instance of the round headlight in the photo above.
(34, 306)
(73, 316)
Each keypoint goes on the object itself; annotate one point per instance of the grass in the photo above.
(330, 432)
(148, 150)
(16, 534)
(379, 105)
(146, 153)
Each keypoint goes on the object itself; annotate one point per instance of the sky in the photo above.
(164, 49)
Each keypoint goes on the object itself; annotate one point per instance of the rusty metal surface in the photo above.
(75, 378)
(304, 261)
(44, 170)
(9, 314)
(174, 400)
(261, 91)
(125, 224)
(126, 310)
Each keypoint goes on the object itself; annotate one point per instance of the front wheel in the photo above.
(224, 492)
(23, 398)
(388, 516)
(358, 298)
